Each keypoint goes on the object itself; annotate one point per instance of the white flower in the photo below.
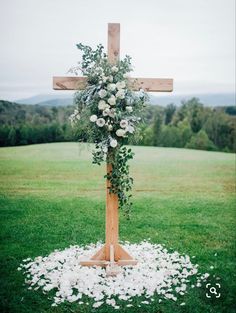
(120, 132)
(129, 109)
(102, 93)
(114, 69)
(106, 112)
(130, 129)
(111, 87)
(105, 149)
(120, 85)
(126, 75)
(110, 127)
(112, 113)
(100, 122)
(120, 94)
(104, 78)
(102, 105)
(93, 118)
(124, 124)
(113, 143)
(110, 79)
(112, 100)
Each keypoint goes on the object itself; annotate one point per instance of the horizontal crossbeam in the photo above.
(147, 84)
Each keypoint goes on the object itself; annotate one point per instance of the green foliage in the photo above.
(201, 141)
(108, 113)
(180, 127)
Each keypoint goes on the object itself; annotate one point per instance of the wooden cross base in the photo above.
(110, 255)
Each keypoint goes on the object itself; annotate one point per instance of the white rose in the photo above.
(112, 100)
(120, 132)
(93, 118)
(102, 105)
(111, 87)
(129, 109)
(106, 112)
(113, 143)
(120, 94)
(102, 93)
(120, 85)
(100, 122)
(114, 69)
(124, 124)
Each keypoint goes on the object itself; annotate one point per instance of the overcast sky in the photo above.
(191, 41)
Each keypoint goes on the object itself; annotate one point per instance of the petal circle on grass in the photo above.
(159, 272)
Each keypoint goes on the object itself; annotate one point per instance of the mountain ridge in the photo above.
(216, 99)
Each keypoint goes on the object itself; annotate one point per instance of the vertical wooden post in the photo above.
(112, 214)
(111, 254)
(113, 44)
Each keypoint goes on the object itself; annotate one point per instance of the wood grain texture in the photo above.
(69, 83)
(112, 219)
(147, 84)
(113, 44)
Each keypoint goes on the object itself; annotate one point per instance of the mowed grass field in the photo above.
(52, 196)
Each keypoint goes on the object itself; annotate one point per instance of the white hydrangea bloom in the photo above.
(102, 105)
(114, 69)
(111, 87)
(120, 132)
(112, 100)
(129, 109)
(100, 122)
(102, 93)
(120, 85)
(120, 94)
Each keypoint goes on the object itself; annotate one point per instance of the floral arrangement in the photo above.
(108, 113)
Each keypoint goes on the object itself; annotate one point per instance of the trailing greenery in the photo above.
(108, 112)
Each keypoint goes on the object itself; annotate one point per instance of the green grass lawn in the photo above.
(51, 197)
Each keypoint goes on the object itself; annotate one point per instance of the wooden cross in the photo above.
(112, 253)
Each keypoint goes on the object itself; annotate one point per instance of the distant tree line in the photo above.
(190, 126)
(30, 124)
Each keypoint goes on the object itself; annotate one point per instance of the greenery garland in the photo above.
(108, 113)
